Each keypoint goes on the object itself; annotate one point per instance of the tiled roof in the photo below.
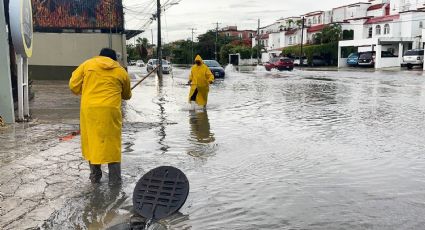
(291, 32)
(375, 7)
(316, 28)
(382, 19)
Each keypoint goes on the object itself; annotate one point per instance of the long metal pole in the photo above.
(216, 41)
(159, 51)
(302, 41)
(258, 43)
(192, 47)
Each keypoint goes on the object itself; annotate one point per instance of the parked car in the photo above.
(132, 62)
(353, 59)
(166, 66)
(297, 61)
(318, 61)
(215, 68)
(280, 63)
(367, 58)
(140, 63)
(412, 58)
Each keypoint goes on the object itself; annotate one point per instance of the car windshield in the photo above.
(353, 55)
(414, 53)
(155, 62)
(365, 56)
(211, 63)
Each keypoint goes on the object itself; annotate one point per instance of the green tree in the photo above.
(331, 33)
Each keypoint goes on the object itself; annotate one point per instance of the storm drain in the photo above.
(160, 193)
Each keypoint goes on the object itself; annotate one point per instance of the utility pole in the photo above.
(216, 41)
(302, 41)
(193, 32)
(159, 48)
(258, 43)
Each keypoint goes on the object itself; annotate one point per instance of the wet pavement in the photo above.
(275, 150)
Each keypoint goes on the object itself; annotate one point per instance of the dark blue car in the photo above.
(353, 59)
(215, 68)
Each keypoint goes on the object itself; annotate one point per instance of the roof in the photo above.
(316, 28)
(313, 13)
(264, 36)
(375, 7)
(352, 5)
(129, 34)
(387, 18)
(291, 32)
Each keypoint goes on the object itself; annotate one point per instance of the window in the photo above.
(290, 40)
(378, 30)
(421, 25)
(387, 29)
(370, 32)
(228, 34)
(240, 35)
(309, 21)
(314, 20)
(319, 20)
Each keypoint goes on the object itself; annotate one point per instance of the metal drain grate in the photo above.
(160, 193)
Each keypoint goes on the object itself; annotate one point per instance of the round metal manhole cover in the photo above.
(160, 193)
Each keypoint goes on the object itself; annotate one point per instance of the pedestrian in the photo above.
(102, 84)
(200, 79)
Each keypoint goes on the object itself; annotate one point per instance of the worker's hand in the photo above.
(189, 82)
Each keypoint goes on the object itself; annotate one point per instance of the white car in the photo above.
(413, 58)
(140, 63)
(166, 66)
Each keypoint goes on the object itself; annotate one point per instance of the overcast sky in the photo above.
(202, 14)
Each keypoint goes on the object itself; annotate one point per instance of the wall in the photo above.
(6, 100)
(388, 62)
(56, 55)
(375, 13)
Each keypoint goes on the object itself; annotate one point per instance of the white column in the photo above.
(26, 86)
(339, 56)
(378, 58)
(20, 85)
(400, 52)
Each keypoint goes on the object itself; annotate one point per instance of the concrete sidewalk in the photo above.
(38, 171)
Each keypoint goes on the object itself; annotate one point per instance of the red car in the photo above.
(281, 63)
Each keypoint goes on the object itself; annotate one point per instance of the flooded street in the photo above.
(289, 150)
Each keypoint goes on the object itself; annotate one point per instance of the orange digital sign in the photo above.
(78, 14)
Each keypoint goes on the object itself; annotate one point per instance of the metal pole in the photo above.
(258, 43)
(302, 41)
(159, 49)
(216, 41)
(193, 58)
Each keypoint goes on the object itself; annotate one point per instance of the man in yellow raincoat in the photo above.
(102, 84)
(200, 79)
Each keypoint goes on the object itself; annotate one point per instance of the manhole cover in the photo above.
(160, 193)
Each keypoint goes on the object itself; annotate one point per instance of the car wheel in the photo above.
(409, 66)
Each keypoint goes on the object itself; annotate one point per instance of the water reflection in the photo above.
(201, 136)
(200, 127)
(101, 206)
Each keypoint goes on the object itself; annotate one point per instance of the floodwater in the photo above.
(275, 150)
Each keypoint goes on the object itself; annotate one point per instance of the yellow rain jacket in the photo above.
(103, 83)
(200, 78)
